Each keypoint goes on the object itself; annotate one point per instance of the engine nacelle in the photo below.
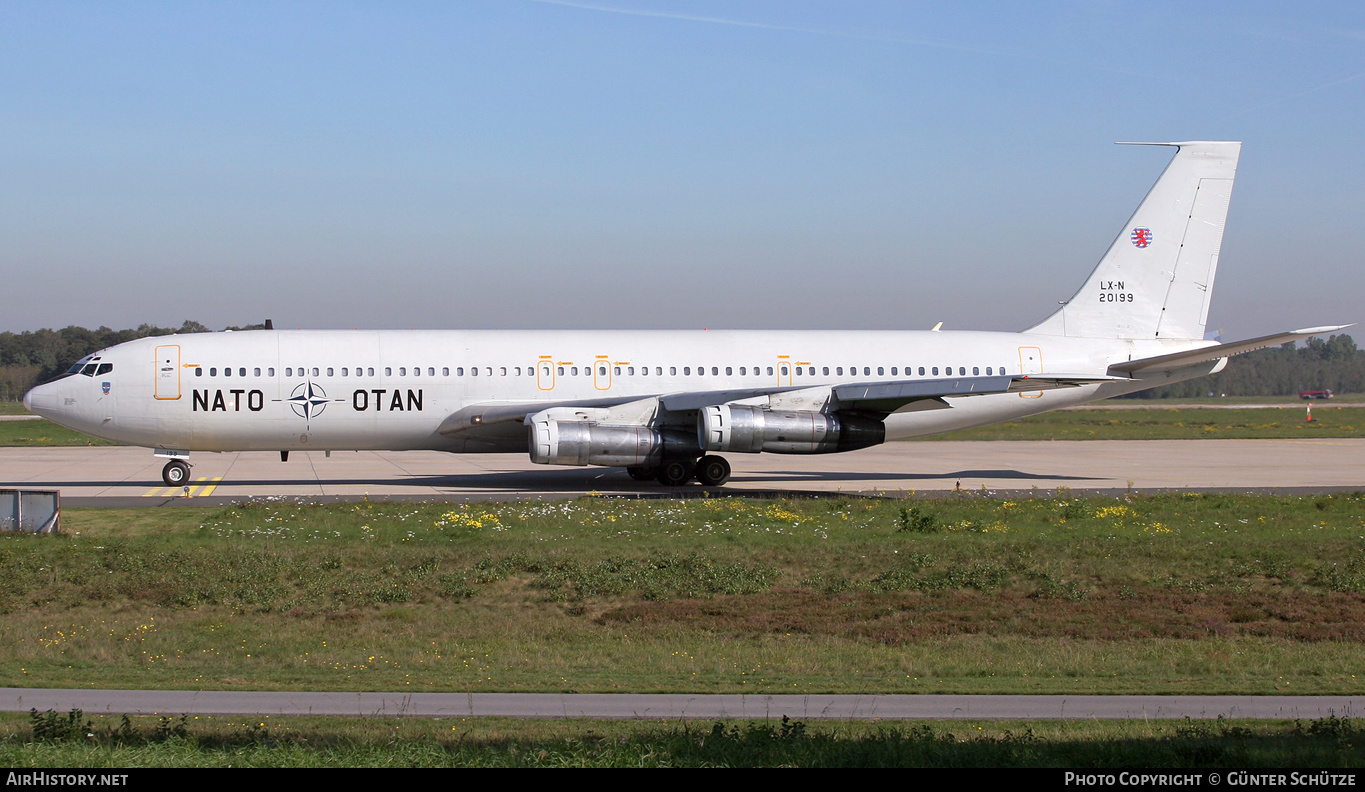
(749, 430)
(555, 442)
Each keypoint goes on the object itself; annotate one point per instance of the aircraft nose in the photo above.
(41, 400)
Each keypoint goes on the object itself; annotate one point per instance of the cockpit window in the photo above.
(104, 368)
(89, 369)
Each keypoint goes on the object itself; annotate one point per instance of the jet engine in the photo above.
(749, 430)
(555, 442)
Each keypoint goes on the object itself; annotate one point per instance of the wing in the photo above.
(1207, 354)
(501, 425)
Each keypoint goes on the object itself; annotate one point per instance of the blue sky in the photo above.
(658, 164)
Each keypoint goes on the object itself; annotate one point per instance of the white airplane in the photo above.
(663, 404)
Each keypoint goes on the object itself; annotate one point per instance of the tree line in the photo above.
(31, 357)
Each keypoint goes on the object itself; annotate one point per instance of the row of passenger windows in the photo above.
(573, 371)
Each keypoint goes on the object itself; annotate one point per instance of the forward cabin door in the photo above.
(167, 384)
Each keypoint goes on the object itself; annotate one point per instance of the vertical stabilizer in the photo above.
(1156, 279)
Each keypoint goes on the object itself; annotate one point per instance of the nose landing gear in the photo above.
(176, 472)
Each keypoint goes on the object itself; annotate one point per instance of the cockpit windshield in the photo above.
(89, 366)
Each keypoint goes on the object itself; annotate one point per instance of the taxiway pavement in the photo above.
(120, 476)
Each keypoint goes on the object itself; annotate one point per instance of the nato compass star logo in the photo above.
(308, 400)
(1142, 237)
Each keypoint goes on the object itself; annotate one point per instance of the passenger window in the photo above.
(213, 372)
(227, 372)
(504, 371)
(770, 371)
(315, 371)
(459, 371)
(644, 371)
(893, 371)
(388, 371)
(474, 371)
(976, 371)
(601, 371)
(241, 372)
(921, 371)
(962, 371)
(658, 371)
(199, 372)
(687, 371)
(988, 371)
(431, 372)
(329, 371)
(402, 371)
(445, 371)
(784, 371)
(561, 371)
(345, 371)
(881, 372)
(270, 372)
(288, 372)
(935, 371)
(256, 372)
(616, 371)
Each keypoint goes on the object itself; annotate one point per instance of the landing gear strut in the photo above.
(175, 473)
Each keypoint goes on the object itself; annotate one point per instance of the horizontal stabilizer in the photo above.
(1216, 351)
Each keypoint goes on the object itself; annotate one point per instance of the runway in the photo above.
(120, 476)
(674, 706)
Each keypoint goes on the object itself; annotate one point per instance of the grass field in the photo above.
(1153, 594)
(59, 740)
(1170, 423)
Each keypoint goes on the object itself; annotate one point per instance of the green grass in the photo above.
(12, 408)
(27, 434)
(1167, 423)
(49, 740)
(1155, 594)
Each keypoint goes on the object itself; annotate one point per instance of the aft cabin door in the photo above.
(168, 371)
(1030, 362)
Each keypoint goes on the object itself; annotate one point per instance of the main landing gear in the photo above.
(710, 470)
(176, 473)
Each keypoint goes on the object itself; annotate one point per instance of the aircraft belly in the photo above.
(971, 411)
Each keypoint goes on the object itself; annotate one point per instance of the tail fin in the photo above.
(1156, 279)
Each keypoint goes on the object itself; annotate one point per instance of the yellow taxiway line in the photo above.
(199, 490)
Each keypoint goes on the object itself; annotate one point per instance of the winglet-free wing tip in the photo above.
(1323, 329)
